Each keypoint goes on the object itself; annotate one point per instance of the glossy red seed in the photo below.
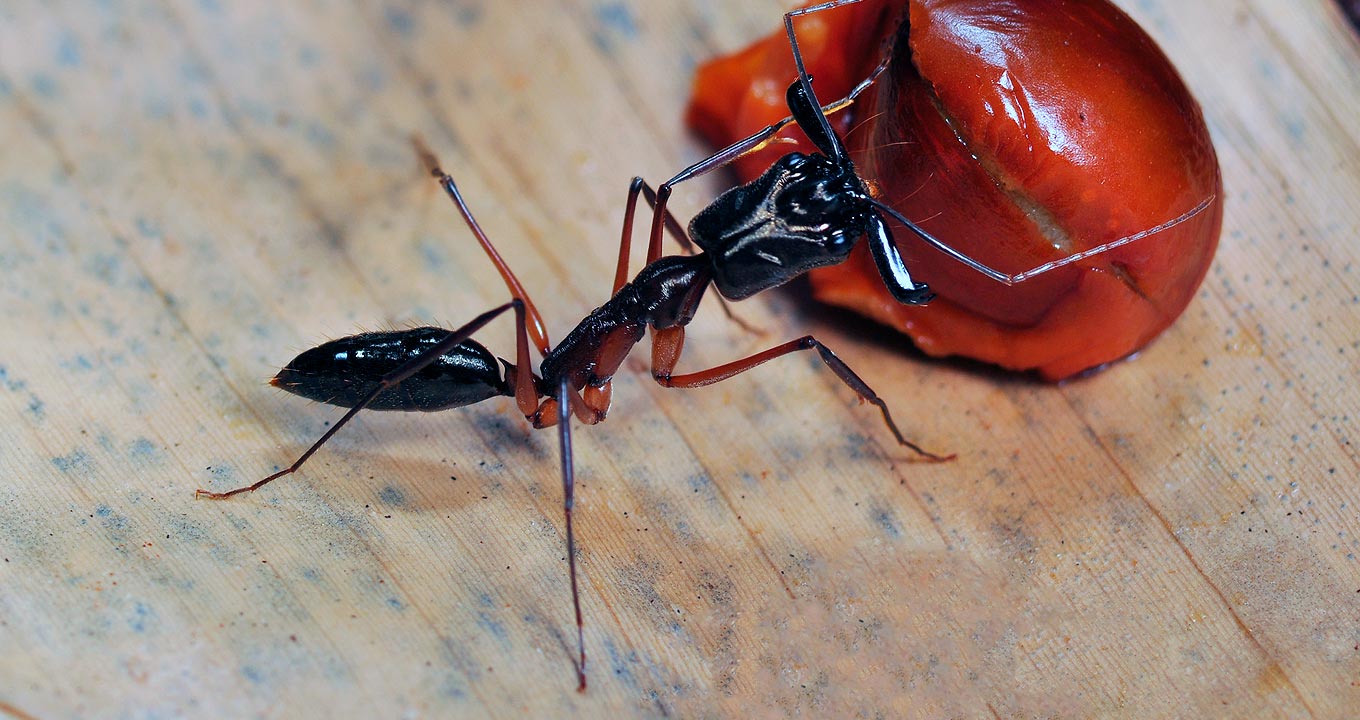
(1018, 133)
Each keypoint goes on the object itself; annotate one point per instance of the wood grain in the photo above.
(193, 191)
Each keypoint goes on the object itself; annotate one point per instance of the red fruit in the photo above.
(1017, 133)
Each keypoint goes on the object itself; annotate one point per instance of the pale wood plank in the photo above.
(193, 191)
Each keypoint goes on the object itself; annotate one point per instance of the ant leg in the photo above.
(667, 344)
(411, 367)
(590, 409)
(636, 188)
(536, 328)
(1017, 278)
(891, 268)
(564, 402)
(713, 162)
(595, 403)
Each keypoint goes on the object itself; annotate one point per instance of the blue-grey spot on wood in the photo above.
(68, 50)
(148, 228)
(492, 626)
(400, 21)
(392, 496)
(78, 461)
(615, 23)
(886, 519)
(44, 85)
(141, 617)
(143, 450)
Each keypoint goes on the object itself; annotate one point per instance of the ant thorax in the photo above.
(805, 212)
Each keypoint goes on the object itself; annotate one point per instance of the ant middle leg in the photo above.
(667, 345)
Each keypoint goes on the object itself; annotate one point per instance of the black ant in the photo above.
(805, 212)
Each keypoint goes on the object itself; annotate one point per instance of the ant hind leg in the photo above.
(667, 345)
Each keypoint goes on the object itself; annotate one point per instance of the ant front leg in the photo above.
(590, 406)
(667, 345)
(564, 395)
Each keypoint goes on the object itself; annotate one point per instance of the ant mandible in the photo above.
(805, 212)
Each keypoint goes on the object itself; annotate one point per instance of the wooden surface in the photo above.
(193, 191)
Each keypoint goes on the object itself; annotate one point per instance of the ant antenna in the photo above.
(1017, 278)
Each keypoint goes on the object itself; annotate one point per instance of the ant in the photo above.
(804, 212)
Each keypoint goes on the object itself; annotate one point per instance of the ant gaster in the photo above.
(805, 212)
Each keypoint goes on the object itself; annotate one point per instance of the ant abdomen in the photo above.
(342, 372)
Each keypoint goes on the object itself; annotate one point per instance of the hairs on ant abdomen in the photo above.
(804, 212)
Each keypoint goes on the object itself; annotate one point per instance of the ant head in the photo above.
(812, 195)
(805, 212)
